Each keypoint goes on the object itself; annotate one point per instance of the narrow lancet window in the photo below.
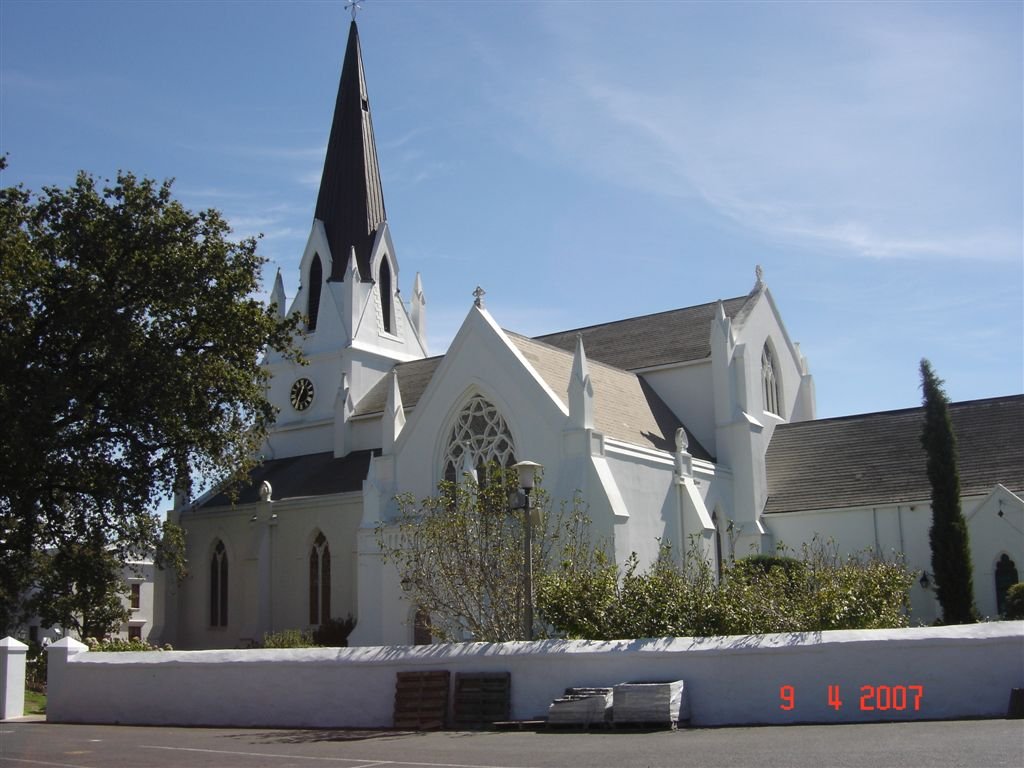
(219, 586)
(319, 581)
(1006, 577)
(769, 382)
(316, 279)
(385, 295)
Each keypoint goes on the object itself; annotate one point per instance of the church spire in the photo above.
(351, 200)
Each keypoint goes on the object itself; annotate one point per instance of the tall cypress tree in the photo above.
(951, 553)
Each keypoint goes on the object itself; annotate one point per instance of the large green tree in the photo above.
(81, 588)
(951, 551)
(130, 337)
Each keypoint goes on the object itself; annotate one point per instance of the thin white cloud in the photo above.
(875, 157)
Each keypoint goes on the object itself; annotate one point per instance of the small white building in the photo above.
(145, 594)
(676, 426)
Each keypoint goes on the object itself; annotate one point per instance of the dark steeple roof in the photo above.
(351, 201)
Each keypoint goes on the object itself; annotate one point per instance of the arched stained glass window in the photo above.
(219, 586)
(480, 429)
(769, 381)
(319, 581)
(316, 279)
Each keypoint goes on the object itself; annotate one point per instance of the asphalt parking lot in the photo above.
(964, 744)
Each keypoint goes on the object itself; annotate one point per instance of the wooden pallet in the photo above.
(482, 699)
(421, 700)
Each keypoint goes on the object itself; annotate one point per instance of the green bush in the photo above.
(119, 645)
(334, 632)
(760, 594)
(288, 638)
(1013, 608)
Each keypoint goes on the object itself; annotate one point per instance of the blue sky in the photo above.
(589, 161)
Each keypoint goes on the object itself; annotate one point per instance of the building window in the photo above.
(480, 429)
(1006, 577)
(135, 601)
(769, 381)
(319, 581)
(316, 279)
(219, 586)
(135, 633)
(384, 285)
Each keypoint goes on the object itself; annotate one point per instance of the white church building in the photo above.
(694, 426)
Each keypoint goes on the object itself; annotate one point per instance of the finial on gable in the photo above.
(759, 274)
(682, 441)
(478, 297)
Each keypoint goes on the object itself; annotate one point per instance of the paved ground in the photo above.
(964, 744)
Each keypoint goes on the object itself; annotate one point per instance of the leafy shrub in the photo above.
(334, 632)
(793, 569)
(761, 594)
(1013, 608)
(119, 645)
(288, 638)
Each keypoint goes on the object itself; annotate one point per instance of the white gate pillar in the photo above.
(59, 694)
(12, 678)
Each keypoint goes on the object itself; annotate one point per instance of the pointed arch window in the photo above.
(219, 586)
(384, 284)
(769, 381)
(319, 581)
(316, 280)
(480, 429)
(1006, 577)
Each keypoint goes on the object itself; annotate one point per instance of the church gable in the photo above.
(775, 381)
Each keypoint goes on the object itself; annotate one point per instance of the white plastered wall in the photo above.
(887, 530)
(268, 567)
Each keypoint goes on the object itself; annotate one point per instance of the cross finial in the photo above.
(478, 297)
(354, 7)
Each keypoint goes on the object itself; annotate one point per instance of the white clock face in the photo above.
(302, 394)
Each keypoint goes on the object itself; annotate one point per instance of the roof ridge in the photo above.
(902, 411)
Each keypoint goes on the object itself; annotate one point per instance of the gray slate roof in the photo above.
(413, 378)
(877, 458)
(315, 474)
(676, 336)
(625, 407)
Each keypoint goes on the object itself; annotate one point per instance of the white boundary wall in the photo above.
(963, 671)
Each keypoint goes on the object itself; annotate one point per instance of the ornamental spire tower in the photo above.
(351, 201)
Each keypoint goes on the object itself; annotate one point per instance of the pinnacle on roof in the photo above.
(351, 199)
